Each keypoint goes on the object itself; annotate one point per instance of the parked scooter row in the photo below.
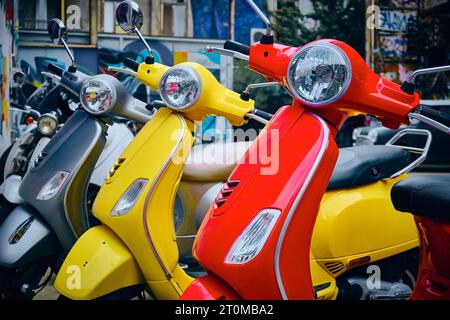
(62, 175)
(143, 236)
(260, 238)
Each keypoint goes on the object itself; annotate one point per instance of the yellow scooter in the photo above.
(137, 243)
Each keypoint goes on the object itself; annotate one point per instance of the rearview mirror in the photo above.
(129, 16)
(57, 31)
(58, 34)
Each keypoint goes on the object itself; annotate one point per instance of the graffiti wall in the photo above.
(6, 53)
(211, 19)
(394, 61)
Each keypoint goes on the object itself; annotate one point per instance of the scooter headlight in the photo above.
(47, 124)
(180, 87)
(52, 187)
(97, 96)
(252, 240)
(319, 74)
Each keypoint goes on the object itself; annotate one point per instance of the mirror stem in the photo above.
(151, 59)
(262, 16)
(72, 58)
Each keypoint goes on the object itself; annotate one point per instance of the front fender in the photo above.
(98, 264)
(24, 238)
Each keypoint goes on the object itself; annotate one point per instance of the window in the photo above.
(34, 15)
(77, 15)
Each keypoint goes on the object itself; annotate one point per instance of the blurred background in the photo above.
(395, 37)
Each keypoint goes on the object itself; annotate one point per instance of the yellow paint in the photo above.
(215, 99)
(105, 265)
(358, 222)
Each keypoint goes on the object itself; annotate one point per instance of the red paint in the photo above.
(368, 92)
(301, 137)
(209, 288)
(300, 144)
(433, 281)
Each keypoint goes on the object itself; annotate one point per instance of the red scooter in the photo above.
(428, 198)
(260, 248)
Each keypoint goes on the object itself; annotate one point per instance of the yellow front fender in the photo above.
(99, 263)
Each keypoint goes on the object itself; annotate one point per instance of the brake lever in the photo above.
(122, 70)
(431, 122)
(226, 52)
(51, 75)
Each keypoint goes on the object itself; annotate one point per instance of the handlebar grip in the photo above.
(237, 47)
(263, 114)
(55, 69)
(132, 64)
(434, 114)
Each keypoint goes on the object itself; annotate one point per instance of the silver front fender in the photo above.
(24, 237)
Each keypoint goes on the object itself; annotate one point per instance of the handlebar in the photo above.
(132, 64)
(55, 69)
(237, 47)
(434, 114)
(263, 114)
(432, 117)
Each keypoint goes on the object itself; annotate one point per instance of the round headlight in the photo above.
(47, 124)
(97, 96)
(180, 87)
(319, 74)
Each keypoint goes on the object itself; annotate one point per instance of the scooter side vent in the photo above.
(335, 267)
(115, 167)
(39, 159)
(225, 192)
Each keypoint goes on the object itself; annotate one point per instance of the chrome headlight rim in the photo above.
(47, 116)
(108, 86)
(327, 45)
(196, 77)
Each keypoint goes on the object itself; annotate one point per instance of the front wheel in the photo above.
(26, 282)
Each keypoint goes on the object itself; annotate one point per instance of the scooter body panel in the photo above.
(306, 150)
(209, 287)
(360, 223)
(24, 237)
(433, 281)
(74, 149)
(157, 155)
(98, 264)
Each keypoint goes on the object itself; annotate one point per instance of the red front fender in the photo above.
(209, 287)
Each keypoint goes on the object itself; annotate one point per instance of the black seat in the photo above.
(423, 195)
(363, 165)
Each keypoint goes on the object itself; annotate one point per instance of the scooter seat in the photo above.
(423, 195)
(357, 166)
(213, 162)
